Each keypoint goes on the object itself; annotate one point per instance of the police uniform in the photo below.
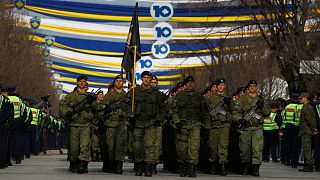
(291, 140)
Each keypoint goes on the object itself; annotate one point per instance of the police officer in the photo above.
(77, 109)
(149, 111)
(270, 134)
(6, 115)
(251, 139)
(291, 141)
(189, 114)
(307, 129)
(220, 127)
(115, 122)
(17, 124)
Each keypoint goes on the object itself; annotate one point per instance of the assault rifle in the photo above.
(248, 118)
(218, 109)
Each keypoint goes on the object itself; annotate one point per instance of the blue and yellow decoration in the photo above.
(49, 40)
(35, 22)
(19, 4)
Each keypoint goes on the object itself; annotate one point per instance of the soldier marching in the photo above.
(185, 129)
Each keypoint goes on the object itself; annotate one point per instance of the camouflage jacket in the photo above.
(213, 100)
(244, 104)
(190, 108)
(84, 117)
(308, 120)
(149, 106)
(119, 116)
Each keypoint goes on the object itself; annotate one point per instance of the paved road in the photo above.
(54, 167)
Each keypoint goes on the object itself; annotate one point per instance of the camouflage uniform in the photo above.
(80, 127)
(219, 133)
(251, 141)
(189, 113)
(116, 130)
(306, 126)
(149, 112)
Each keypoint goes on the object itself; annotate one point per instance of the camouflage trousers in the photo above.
(218, 144)
(95, 145)
(307, 151)
(145, 144)
(116, 138)
(80, 142)
(158, 142)
(251, 145)
(188, 144)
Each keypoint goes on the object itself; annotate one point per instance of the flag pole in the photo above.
(134, 76)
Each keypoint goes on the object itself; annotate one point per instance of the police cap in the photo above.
(81, 77)
(146, 73)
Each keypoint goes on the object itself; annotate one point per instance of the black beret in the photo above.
(79, 78)
(251, 82)
(154, 78)
(117, 77)
(188, 79)
(100, 91)
(241, 89)
(219, 81)
(179, 85)
(146, 73)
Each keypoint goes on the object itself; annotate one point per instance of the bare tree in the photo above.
(21, 60)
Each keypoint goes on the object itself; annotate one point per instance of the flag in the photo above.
(132, 40)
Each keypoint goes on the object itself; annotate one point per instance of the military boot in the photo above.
(191, 170)
(81, 167)
(245, 168)
(223, 170)
(73, 166)
(85, 166)
(213, 168)
(138, 168)
(307, 168)
(155, 169)
(183, 170)
(108, 166)
(148, 170)
(255, 169)
(118, 167)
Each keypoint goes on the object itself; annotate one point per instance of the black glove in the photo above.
(132, 119)
(179, 126)
(68, 115)
(227, 100)
(91, 98)
(260, 104)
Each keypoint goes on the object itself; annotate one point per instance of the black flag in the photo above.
(132, 40)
